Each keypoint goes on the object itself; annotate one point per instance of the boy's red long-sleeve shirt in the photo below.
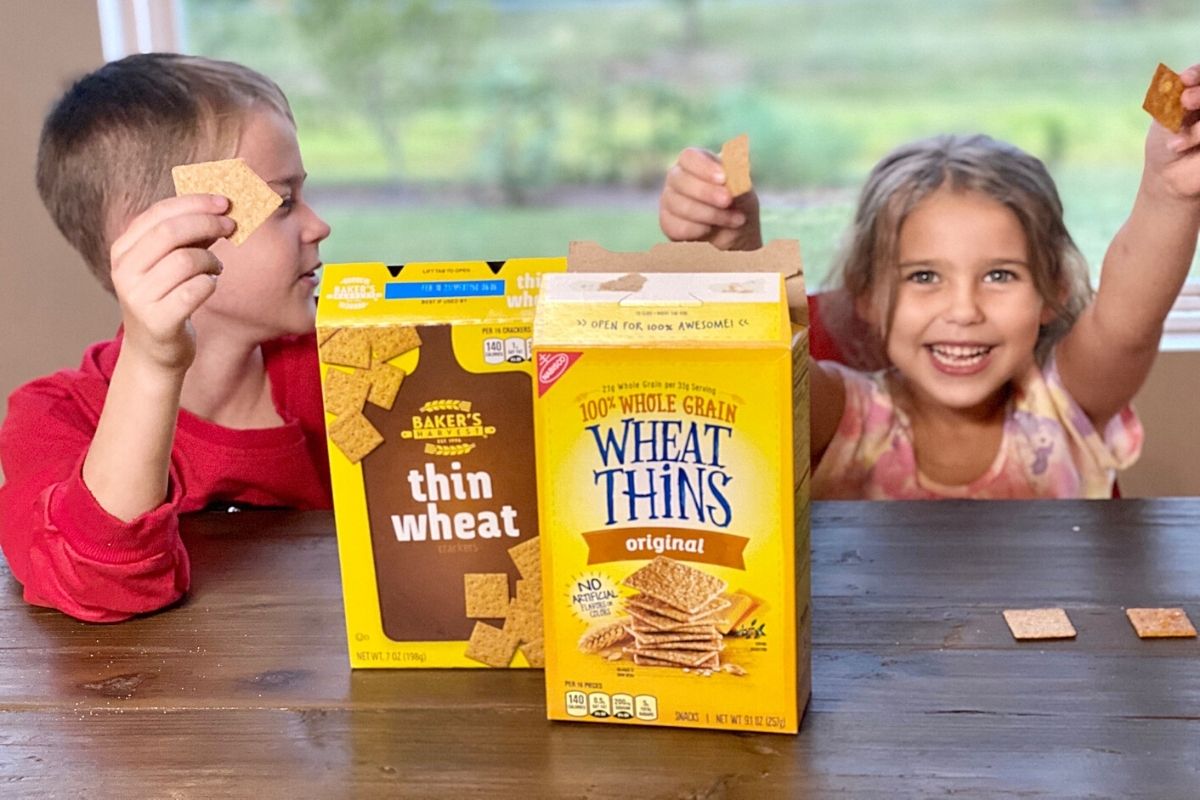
(70, 554)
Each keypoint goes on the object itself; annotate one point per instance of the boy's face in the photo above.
(266, 288)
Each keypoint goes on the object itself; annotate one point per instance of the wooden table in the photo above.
(918, 689)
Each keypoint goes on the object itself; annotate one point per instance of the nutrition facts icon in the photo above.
(622, 706)
(619, 706)
(516, 349)
(577, 704)
(599, 705)
(493, 351)
(646, 707)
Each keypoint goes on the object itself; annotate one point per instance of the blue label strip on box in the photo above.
(447, 289)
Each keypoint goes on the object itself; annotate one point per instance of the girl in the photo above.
(1002, 374)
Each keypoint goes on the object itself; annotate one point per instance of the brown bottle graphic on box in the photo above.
(449, 491)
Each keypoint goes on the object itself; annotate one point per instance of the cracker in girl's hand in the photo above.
(1164, 99)
(735, 160)
(251, 200)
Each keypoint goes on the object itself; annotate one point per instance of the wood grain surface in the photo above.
(244, 689)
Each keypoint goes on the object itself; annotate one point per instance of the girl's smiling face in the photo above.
(966, 314)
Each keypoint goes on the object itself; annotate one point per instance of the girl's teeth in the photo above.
(959, 355)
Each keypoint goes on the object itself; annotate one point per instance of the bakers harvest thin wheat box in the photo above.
(671, 427)
(427, 383)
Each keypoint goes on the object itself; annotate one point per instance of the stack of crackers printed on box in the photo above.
(673, 495)
(427, 382)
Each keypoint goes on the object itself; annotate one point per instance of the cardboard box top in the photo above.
(715, 309)
(433, 292)
(780, 255)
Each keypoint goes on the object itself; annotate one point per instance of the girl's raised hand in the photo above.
(1173, 159)
(696, 206)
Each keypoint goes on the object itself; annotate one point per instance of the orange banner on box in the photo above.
(683, 544)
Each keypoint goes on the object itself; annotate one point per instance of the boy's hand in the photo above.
(162, 271)
(696, 206)
(1173, 159)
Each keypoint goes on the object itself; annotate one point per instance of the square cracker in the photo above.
(1039, 623)
(391, 341)
(324, 333)
(656, 612)
(345, 391)
(347, 347)
(1160, 623)
(354, 435)
(1164, 98)
(486, 594)
(676, 584)
(384, 381)
(528, 557)
(534, 653)
(524, 621)
(490, 645)
(251, 200)
(735, 160)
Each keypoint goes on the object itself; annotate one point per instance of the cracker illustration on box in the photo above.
(428, 390)
(673, 498)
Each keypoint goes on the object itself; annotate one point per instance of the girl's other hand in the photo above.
(696, 206)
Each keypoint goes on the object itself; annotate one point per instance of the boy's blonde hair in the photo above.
(108, 144)
(866, 267)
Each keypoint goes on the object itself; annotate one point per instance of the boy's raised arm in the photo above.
(162, 272)
(1107, 355)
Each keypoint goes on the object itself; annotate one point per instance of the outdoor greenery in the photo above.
(447, 130)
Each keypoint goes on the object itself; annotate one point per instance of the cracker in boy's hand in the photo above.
(1164, 99)
(251, 200)
(735, 160)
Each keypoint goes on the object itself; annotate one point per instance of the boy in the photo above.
(209, 394)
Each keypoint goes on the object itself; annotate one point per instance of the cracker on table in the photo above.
(490, 645)
(345, 391)
(1164, 98)
(1039, 623)
(486, 594)
(251, 200)
(390, 341)
(735, 161)
(354, 436)
(384, 382)
(1160, 623)
(347, 347)
(528, 557)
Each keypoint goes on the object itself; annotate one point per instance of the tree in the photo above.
(383, 59)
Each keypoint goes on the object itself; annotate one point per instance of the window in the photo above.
(436, 130)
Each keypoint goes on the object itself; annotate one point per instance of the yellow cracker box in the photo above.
(427, 381)
(672, 454)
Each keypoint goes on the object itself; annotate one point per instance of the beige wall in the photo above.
(50, 305)
(1168, 406)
